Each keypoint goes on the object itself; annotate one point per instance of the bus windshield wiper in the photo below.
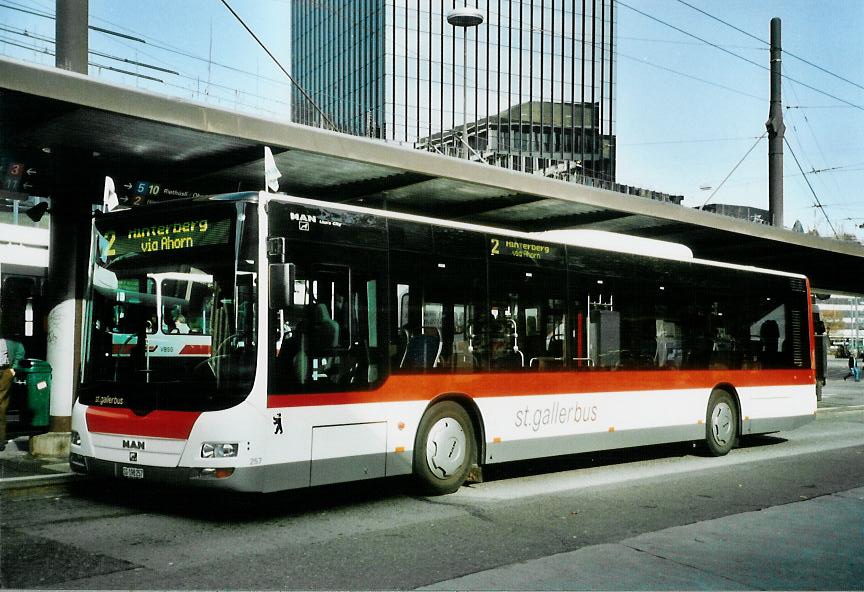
(122, 257)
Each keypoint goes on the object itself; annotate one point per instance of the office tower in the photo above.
(539, 79)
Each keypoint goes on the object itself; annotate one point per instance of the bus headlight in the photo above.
(219, 449)
(75, 438)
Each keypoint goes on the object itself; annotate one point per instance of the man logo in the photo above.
(133, 457)
(307, 218)
(133, 444)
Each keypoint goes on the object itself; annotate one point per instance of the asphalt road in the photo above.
(381, 536)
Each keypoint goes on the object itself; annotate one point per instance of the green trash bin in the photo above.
(36, 375)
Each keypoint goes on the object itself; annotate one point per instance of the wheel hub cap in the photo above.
(445, 448)
(721, 424)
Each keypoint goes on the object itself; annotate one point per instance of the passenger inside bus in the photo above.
(175, 322)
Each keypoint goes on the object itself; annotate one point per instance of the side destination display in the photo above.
(520, 249)
(184, 233)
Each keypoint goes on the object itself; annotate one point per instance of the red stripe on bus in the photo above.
(195, 350)
(424, 387)
(156, 424)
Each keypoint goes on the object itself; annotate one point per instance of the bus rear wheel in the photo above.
(721, 423)
(444, 449)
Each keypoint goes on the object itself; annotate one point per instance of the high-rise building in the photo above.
(539, 78)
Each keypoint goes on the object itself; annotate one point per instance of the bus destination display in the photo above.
(174, 236)
(522, 249)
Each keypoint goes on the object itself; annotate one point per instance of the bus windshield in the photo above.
(172, 316)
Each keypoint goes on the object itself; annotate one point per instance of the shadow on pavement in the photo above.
(220, 506)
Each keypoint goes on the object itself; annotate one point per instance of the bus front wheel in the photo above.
(444, 449)
(721, 423)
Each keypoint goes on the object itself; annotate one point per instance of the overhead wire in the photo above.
(813, 191)
(150, 42)
(848, 103)
(789, 53)
(816, 107)
(52, 17)
(178, 51)
(806, 119)
(50, 40)
(222, 99)
(690, 76)
(815, 140)
(305, 94)
(694, 141)
(46, 51)
(743, 158)
(733, 54)
(168, 48)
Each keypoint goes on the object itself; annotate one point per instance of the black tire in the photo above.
(444, 449)
(721, 423)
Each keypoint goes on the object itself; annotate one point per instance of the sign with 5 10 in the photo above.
(140, 192)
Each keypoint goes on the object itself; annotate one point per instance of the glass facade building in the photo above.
(539, 78)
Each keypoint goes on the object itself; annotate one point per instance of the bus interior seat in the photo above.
(423, 350)
(535, 345)
(325, 331)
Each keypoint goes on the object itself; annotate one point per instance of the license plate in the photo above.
(133, 472)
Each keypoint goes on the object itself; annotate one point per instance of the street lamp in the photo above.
(465, 17)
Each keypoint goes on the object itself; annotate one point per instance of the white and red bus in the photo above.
(178, 305)
(346, 343)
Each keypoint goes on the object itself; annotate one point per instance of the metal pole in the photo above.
(71, 34)
(465, 17)
(67, 240)
(465, 91)
(776, 129)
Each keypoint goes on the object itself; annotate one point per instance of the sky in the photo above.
(686, 113)
(680, 135)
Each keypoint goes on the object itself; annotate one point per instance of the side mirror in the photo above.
(281, 285)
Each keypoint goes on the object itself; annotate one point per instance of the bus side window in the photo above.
(527, 326)
(329, 338)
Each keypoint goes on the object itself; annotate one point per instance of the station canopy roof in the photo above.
(133, 135)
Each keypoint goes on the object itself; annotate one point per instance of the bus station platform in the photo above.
(19, 469)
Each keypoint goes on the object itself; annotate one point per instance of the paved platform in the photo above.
(778, 548)
(19, 469)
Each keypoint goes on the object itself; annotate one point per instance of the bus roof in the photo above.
(591, 239)
(612, 241)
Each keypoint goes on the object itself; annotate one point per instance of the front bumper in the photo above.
(242, 479)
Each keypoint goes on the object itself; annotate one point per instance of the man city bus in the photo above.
(332, 343)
